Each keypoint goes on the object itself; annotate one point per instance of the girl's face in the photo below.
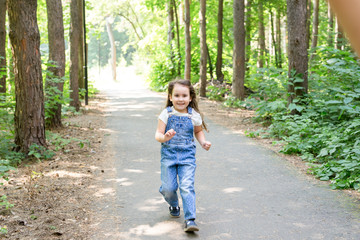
(180, 98)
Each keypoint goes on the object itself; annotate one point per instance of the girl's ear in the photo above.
(170, 97)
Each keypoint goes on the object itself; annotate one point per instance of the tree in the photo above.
(219, 74)
(25, 40)
(298, 57)
(113, 48)
(187, 41)
(330, 27)
(248, 21)
(76, 53)
(278, 37)
(239, 50)
(2, 46)
(203, 48)
(56, 55)
(315, 28)
(177, 37)
(261, 35)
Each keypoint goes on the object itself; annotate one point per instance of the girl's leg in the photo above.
(169, 183)
(186, 172)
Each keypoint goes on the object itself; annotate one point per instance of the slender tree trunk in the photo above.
(25, 41)
(261, 36)
(315, 30)
(56, 54)
(171, 34)
(340, 39)
(308, 22)
(330, 27)
(298, 58)
(273, 38)
(2, 46)
(178, 38)
(75, 53)
(248, 32)
(239, 50)
(187, 41)
(278, 37)
(219, 74)
(112, 48)
(203, 52)
(210, 63)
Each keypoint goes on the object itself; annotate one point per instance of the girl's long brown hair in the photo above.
(193, 103)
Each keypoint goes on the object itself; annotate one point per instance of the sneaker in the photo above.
(174, 211)
(190, 226)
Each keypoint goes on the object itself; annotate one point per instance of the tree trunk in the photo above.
(298, 58)
(203, 50)
(239, 50)
(112, 48)
(219, 73)
(315, 30)
(261, 36)
(76, 71)
(248, 32)
(187, 41)
(308, 22)
(171, 34)
(56, 55)
(273, 38)
(25, 41)
(2, 46)
(340, 39)
(178, 38)
(278, 37)
(330, 27)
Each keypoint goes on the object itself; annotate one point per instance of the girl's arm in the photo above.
(160, 134)
(200, 136)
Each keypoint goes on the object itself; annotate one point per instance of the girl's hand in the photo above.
(206, 145)
(169, 135)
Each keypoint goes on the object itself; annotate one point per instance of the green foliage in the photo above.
(217, 93)
(40, 152)
(163, 70)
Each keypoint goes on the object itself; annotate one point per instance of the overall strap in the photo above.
(190, 110)
(169, 109)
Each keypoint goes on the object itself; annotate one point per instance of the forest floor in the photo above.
(52, 198)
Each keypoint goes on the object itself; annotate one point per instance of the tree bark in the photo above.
(25, 41)
(273, 38)
(308, 22)
(278, 37)
(2, 46)
(203, 50)
(315, 30)
(178, 38)
(298, 58)
(76, 70)
(219, 74)
(261, 36)
(340, 38)
(248, 15)
(330, 27)
(170, 10)
(112, 48)
(239, 50)
(187, 41)
(56, 55)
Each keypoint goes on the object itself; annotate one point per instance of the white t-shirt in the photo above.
(195, 118)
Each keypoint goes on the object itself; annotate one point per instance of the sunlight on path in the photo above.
(127, 79)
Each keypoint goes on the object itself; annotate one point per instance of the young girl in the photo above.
(177, 125)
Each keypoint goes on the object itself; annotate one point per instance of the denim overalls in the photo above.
(178, 159)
